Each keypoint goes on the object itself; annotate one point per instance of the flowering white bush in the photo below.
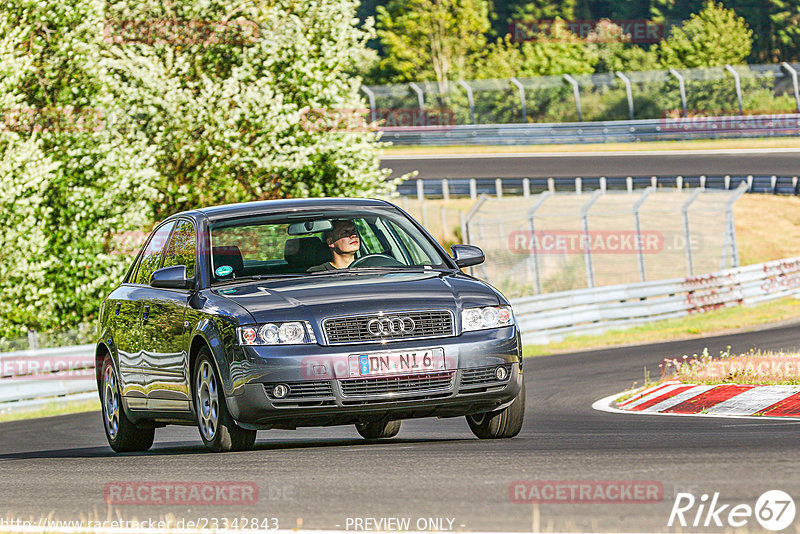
(103, 132)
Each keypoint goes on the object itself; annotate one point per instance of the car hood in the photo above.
(315, 297)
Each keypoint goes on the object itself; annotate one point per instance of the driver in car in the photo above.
(344, 242)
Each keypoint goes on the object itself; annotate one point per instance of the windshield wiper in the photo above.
(258, 277)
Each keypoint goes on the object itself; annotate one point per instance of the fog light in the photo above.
(280, 391)
(501, 373)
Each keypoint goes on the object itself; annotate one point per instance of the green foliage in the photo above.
(785, 17)
(431, 39)
(715, 36)
(534, 10)
(68, 181)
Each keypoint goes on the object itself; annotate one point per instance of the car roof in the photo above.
(266, 206)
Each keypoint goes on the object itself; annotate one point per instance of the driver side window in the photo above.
(151, 257)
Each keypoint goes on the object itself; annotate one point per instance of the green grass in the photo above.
(59, 407)
(737, 318)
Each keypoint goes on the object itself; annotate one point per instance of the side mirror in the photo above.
(467, 255)
(171, 278)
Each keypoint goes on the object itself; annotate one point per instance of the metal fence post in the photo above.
(534, 240)
(466, 86)
(421, 101)
(521, 89)
(473, 188)
(467, 237)
(730, 229)
(682, 88)
(445, 190)
(603, 184)
(371, 98)
(679, 183)
(526, 187)
(578, 185)
(738, 84)
(420, 190)
(498, 187)
(686, 232)
(638, 229)
(587, 244)
(551, 185)
(33, 339)
(628, 92)
(793, 73)
(629, 183)
(577, 93)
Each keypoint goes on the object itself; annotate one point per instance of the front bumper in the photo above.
(324, 394)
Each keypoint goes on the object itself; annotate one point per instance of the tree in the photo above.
(713, 37)
(786, 19)
(68, 182)
(431, 39)
(263, 109)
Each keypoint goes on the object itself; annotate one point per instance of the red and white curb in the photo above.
(725, 400)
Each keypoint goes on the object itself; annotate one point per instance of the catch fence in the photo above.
(554, 242)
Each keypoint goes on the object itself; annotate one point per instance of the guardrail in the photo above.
(624, 131)
(551, 317)
(30, 378)
(498, 187)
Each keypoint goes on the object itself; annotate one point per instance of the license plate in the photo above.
(397, 363)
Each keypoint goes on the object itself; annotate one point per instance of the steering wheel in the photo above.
(376, 260)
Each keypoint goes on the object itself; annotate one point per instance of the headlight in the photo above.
(487, 317)
(289, 333)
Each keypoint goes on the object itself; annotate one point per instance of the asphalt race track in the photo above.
(780, 162)
(318, 478)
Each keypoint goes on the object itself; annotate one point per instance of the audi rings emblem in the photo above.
(391, 325)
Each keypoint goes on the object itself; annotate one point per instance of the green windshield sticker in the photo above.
(224, 270)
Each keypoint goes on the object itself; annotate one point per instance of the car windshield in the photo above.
(308, 244)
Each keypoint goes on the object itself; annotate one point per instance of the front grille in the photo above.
(481, 375)
(397, 384)
(354, 329)
(302, 390)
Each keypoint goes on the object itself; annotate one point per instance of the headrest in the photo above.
(306, 252)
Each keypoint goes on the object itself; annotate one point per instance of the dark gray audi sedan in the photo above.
(314, 312)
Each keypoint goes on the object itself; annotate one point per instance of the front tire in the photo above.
(219, 431)
(502, 424)
(121, 433)
(378, 429)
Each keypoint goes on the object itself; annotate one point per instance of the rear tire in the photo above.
(379, 429)
(219, 431)
(121, 433)
(502, 424)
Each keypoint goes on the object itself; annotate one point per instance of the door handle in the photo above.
(145, 314)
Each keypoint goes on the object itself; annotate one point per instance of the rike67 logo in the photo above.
(774, 510)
